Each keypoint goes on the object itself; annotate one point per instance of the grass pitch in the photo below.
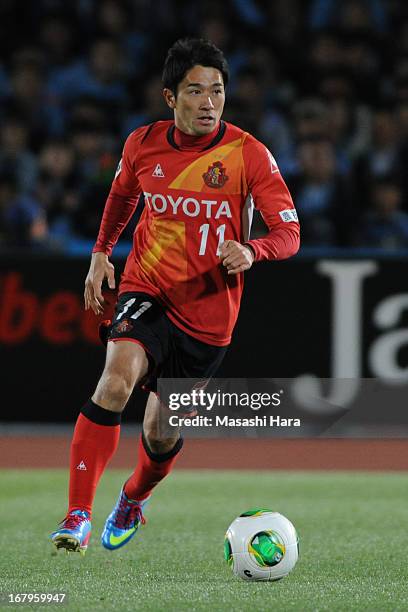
(352, 527)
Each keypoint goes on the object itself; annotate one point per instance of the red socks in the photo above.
(150, 470)
(95, 440)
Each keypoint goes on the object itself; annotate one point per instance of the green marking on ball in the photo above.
(227, 551)
(255, 512)
(268, 548)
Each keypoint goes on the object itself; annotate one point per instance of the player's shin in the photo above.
(95, 440)
(150, 470)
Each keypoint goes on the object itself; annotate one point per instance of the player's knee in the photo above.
(158, 444)
(113, 391)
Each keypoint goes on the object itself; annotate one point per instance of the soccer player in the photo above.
(180, 292)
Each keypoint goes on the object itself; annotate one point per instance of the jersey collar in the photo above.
(214, 140)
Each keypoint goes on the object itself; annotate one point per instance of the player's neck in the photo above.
(192, 142)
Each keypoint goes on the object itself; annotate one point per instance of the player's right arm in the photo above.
(99, 269)
(120, 206)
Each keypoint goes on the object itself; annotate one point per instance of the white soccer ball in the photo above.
(261, 545)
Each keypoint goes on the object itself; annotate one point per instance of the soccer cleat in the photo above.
(123, 522)
(74, 532)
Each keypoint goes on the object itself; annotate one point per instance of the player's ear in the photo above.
(169, 97)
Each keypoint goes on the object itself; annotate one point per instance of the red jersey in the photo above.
(198, 192)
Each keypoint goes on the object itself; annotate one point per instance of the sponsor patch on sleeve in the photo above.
(288, 215)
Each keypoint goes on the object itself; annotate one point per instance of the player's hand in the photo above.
(99, 269)
(236, 257)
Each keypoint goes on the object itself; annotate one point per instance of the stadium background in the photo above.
(323, 83)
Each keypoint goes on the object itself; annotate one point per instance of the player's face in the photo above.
(200, 101)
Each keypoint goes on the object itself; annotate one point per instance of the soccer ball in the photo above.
(261, 545)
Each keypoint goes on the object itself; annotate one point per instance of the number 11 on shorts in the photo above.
(204, 229)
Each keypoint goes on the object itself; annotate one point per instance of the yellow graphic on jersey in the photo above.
(165, 252)
(229, 155)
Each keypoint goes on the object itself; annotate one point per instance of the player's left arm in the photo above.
(272, 198)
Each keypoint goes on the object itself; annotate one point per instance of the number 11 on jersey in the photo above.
(204, 229)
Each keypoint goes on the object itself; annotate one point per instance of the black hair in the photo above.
(188, 52)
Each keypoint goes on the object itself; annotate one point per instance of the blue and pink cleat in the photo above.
(74, 532)
(123, 522)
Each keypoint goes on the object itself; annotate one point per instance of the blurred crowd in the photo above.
(323, 83)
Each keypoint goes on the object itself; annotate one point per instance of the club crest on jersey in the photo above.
(215, 176)
(123, 326)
